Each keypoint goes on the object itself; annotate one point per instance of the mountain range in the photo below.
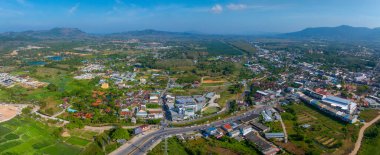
(340, 33)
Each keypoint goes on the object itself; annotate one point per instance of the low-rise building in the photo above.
(263, 146)
(245, 129)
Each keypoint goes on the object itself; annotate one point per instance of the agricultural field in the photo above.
(28, 136)
(205, 146)
(324, 133)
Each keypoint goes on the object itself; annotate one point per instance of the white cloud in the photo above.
(217, 9)
(233, 6)
(73, 9)
(10, 13)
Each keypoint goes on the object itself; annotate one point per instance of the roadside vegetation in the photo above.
(224, 145)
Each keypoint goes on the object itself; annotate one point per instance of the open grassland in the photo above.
(28, 136)
(326, 135)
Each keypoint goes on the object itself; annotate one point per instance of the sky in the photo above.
(204, 16)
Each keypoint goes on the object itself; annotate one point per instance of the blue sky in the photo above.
(207, 16)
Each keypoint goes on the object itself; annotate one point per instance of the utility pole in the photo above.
(164, 147)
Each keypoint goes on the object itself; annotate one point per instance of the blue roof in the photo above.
(211, 129)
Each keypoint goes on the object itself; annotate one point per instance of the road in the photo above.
(142, 145)
(361, 133)
(284, 129)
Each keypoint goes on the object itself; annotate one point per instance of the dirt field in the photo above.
(8, 111)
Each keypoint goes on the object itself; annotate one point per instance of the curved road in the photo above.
(142, 145)
(361, 133)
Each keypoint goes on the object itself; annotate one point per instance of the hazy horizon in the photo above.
(210, 17)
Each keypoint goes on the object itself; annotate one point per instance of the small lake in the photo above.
(37, 63)
(55, 58)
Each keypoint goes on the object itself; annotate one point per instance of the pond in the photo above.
(55, 58)
(37, 63)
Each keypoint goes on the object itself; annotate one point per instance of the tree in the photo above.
(26, 110)
(119, 133)
(233, 106)
(52, 87)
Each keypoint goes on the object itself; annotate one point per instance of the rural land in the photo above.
(131, 93)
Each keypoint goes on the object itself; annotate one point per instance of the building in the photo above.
(234, 133)
(266, 117)
(219, 133)
(153, 98)
(211, 131)
(341, 104)
(250, 118)
(141, 114)
(141, 129)
(227, 127)
(245, 129)
(187, 105)
(155, 113)
(327, 108)
(260, 127)
(264, 146)
(279, 135)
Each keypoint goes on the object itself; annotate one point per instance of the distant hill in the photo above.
(55, 33)
(150, 33)
(340, 33)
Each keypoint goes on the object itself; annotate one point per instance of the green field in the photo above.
(325, 134)
(77, 141)
(28, 136)
(368, 114)
(211, 110)
(205, 146)
(371, 141)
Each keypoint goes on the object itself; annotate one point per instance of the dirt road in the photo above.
(361, 134)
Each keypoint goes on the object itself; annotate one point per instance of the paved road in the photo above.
(361, 133)
(142, 145)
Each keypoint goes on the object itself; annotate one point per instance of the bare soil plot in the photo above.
(8, 111)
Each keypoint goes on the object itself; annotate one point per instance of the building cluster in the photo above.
(185, 107)
(340, 108)
(7, 80)
(250, 129)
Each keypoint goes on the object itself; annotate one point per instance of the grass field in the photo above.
(205, 146)
(370, 145)
(325, 134)
(211, 110)
(77, 141)
(28, 136)
(368, 114)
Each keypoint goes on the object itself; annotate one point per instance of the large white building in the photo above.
(340, 103)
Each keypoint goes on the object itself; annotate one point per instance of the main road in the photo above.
(142, 145)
